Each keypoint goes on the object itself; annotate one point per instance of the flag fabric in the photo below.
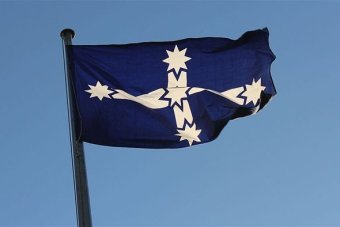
(168, 94)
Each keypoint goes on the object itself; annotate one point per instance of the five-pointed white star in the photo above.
(176, 94)
(176, 59)
(99, 91)
(253, 91)
(189, 133)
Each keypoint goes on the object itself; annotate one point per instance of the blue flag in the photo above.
(168, 94)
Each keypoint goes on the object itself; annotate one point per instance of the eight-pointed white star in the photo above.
(253, 91)
(176, 59)
(99, 91)
(189, 133)
(176, 94)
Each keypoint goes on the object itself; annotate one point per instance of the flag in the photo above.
(168, 94)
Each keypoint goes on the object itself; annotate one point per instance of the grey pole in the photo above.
(78, 158)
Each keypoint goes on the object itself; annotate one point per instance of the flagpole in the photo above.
(78, 158)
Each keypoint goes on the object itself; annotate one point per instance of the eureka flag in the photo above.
(168, 94)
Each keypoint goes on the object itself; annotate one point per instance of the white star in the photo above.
(176, 94)
(176, 59)
(253, 91)
(99, 91)
(189, 133)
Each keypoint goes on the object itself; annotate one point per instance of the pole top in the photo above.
(67, 33)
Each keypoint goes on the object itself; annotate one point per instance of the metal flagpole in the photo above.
(77, 148)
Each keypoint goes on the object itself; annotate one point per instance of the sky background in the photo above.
(280, 167)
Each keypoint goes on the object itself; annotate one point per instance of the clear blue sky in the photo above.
(280, 167)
